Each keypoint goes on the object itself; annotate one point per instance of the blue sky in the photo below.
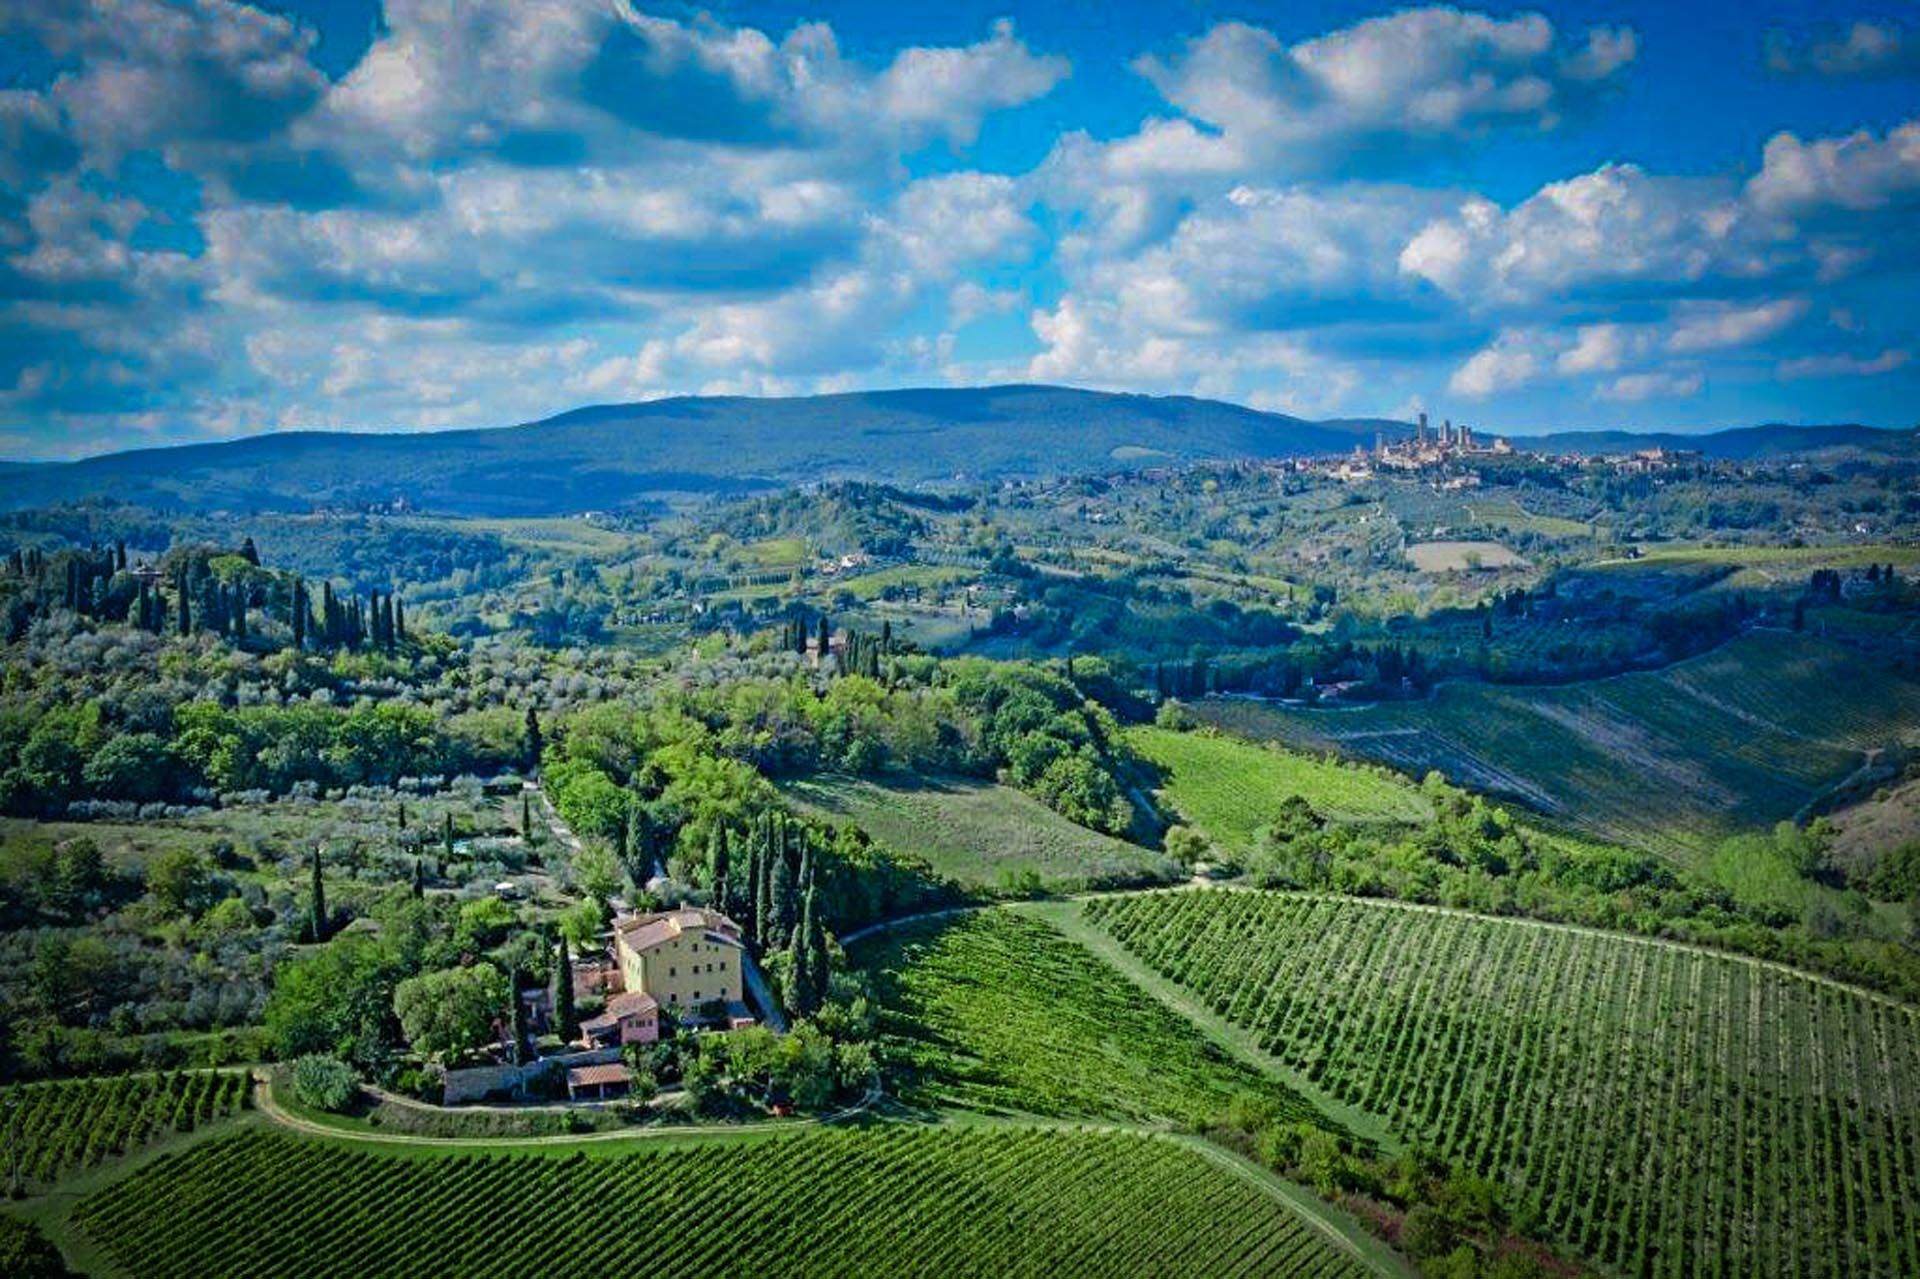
(218, 219)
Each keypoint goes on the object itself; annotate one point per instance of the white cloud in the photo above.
(1858, 173)
(1818, 366)
(1433, 73)
(1511, 360)
(1717, 327)
(1862, 50)
(1635, 387)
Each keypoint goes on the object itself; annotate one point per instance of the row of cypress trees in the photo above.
(768, 888)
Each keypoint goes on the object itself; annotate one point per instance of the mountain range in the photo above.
(604, 456)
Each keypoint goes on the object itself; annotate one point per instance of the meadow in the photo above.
(1660, 1110)
(1230, 788)
(978, 834)
(1671, 760)
(996, 1011)
(978, 1201)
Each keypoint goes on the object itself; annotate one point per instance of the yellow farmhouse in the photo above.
(684, 958)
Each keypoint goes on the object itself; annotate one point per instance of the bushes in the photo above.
(325, 1083)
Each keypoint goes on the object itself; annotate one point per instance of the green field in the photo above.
(997, 1011)
(1670, 760)
(979, 834)
(1230, 788)
(56, 1128)
(1662, 1111)
(977, 1201)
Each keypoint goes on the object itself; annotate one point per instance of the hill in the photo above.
(1743, 444)
(603, 456)
(600, 457)
(1669, 760)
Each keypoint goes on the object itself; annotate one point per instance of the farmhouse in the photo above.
(682, 959)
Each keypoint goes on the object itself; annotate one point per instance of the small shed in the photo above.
(594, 1082)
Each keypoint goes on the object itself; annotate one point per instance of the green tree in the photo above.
(335, 1000)
(324, 1082)
(565, 1021)
(450, 1012)
(317, 919)
(180, 883)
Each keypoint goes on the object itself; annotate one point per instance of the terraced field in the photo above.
(994, 1010)
(980, 1201)
(1230, 788)
(1660, 1110)
(980, 834)
(1671, 760)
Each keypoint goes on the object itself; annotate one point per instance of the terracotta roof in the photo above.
(595, 1076)
(633, 1001)
(642, 932)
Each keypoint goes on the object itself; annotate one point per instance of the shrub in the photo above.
(324, 1082)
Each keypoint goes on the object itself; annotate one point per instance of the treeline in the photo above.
(197, 589)
(1384, 670)
(192, 753)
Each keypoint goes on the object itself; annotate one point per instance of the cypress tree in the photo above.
(403, 814)
(249, 553)
(564, 1020)
(536, 744)
(717, 867)
(826, 637)
(517, 1015)
(318, 908)
(763, 893)
(419, 878)
(526, 817)
(446, 834)
(798, 994)
(819, 962)
(400, 620)
(783, 904)
(386, 623)
(120, 556)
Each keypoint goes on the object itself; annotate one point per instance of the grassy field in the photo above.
(1230, 788)
(1670, 760)
(1662, 1111)
(972, 1201)
(979, 834)
(996, 1011)
(1456, 557)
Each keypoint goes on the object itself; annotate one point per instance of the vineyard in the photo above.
(1231, 788)
(994, 1010)
(977, 1201)
(1740, 737)
(63, 1126)
(1660, 1110)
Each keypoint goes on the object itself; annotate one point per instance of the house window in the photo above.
(673, 972)
(723, 965)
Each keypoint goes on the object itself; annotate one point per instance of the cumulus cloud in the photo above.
(1511, 360)
(1717, 327)
(1863, 50)
(1419, 75)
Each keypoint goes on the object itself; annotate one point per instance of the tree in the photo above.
(419, 878)
(317, 907)
(717, 867)
(526, 817)
(338, 1000)
(452, 1011)
(25, 1253)
(324, 1082)
(565, 1023)
(783, 906)
(180, 883)
(299, 615)
(535, 742)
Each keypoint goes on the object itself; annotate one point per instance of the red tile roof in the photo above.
(643, 932)
(597, 1076)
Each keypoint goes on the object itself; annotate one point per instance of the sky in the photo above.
(220, 219)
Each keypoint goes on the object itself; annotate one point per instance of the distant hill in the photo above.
(1743, 444)
(595, 458)
(601, 457)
